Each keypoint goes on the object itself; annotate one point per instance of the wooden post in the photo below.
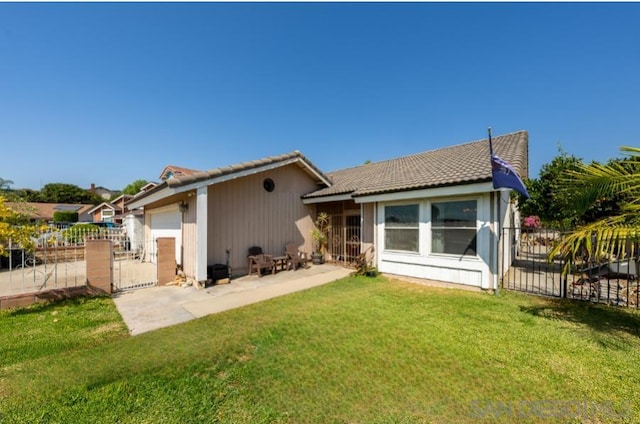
(166, 259)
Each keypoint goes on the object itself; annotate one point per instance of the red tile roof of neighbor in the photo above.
(45, 211)
(461, 164)
(177, 171)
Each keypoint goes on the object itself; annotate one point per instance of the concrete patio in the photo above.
(162, 306)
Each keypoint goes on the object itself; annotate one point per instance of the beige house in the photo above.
(225, 211)
(431, 215)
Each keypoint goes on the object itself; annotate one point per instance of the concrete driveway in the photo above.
(162, 306)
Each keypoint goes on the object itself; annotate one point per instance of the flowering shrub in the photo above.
(12, 234)
(532, 221)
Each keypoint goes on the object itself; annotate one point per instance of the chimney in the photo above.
(93, 188)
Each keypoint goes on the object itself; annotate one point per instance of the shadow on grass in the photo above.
(601, 318)
(49, 304)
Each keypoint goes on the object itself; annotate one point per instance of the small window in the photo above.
(268, 184)
(454, 227)
(401, 227)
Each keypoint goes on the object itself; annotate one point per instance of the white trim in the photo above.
(169, 190)
(457, 190)
(100, 206)
(201, 233)
(474, 270)
(335, 198)
(153, 197)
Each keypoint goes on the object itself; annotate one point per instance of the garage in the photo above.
(166, 223)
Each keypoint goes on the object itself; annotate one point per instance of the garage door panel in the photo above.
(167, 224)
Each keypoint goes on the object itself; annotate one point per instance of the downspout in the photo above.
(496, 245)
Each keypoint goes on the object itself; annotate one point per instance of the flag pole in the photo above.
(490, 144)
(495, 261)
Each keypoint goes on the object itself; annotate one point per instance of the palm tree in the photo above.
(617, 234)
(5, 184)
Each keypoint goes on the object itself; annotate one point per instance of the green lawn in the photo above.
(359, 350)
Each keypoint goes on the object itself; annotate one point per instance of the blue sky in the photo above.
(108, 93)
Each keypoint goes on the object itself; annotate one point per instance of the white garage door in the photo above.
(167, 224)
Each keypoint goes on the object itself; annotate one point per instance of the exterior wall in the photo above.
(468, 270)
(368, 228)
(243, 214)
(189, 238)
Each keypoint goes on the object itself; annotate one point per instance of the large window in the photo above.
(401, 227)
(454, 227)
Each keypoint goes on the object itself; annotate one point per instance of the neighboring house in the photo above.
(171, 171)
(44, 211)
(103, 192)
(432, 215)
(113, 211)
(147, 187)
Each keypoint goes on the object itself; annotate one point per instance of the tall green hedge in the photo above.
(65, 216)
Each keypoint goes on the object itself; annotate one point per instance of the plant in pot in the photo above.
(320, 235)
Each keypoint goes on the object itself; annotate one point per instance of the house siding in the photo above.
(468, 270)
(189, 238)
(243, 214)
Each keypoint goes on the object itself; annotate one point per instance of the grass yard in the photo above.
(360, 350)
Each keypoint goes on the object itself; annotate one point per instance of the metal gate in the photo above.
(57, 261)
(524, 260)
(134, 267)
(345, 238)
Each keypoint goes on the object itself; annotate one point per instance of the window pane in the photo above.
(454, 214)
(454, 241)
(401, 239)
(401, 216)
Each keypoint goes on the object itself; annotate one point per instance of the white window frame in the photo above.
(416, 228)
(431, 226)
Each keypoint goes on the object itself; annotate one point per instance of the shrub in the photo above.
(77, 234)
(65, 216)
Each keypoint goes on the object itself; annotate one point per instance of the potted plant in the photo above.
(320, 235)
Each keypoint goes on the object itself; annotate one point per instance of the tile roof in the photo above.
(241, 167)
(45, 211)
(177, 171)
(461, 164)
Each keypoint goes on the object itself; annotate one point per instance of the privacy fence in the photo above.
(62, 262)
(524, 254)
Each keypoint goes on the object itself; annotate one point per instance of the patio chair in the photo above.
(260, 262)
(253, 252)
(295, 257)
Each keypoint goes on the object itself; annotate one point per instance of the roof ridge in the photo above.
(429, 151)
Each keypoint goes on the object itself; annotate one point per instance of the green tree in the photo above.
(134, 188)
(5, 184)
(67, 193)
(611, 192)
(554, 206)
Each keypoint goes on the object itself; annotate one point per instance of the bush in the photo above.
(76, 234)
(65, 216)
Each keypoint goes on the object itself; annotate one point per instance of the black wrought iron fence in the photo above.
(526, 266)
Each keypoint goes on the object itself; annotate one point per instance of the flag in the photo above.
(503, 174)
